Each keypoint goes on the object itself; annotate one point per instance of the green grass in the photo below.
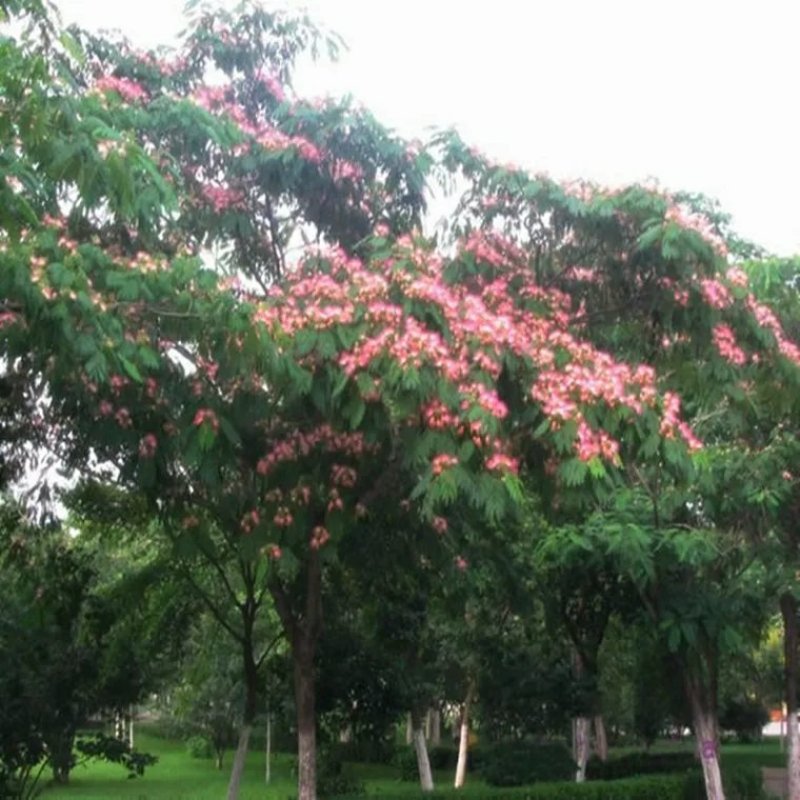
(177, 776)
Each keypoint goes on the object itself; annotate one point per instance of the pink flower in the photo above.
(206, 416)
(319, 537)
(439, 525)
(442, 462)
(148, 445)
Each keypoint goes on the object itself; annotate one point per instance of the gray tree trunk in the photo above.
(789, 614)
(600, 738)
(238, 761)
(421, 750)
(463, 742)
(581, 727)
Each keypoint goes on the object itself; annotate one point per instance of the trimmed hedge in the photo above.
(639, 764)
(524, 763)
(661, 787)
(441, 757)
(741, 783)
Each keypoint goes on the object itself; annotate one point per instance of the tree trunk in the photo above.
(581, 727)
(250, 701)
(600, 738)
(789, 614)
(305, 702)
(702, 700)
(61, 747)
(463, 742)
(218, 759)
(268, 767)
(421, 749)
(435, 737)
(303, 629)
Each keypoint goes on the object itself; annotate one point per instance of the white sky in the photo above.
(702, 95)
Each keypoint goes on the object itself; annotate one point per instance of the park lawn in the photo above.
(178, 776)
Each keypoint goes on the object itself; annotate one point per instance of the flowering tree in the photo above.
(266, 403)
(656, 277)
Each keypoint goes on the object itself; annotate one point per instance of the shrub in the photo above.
(441, 757)
(639, 764)
(199, 747)
(367, 751)
(648, 787)
(333, 779)
(741, 782)
(746, 718)
(521, 763)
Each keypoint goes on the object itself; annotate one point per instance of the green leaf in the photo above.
(131, 369)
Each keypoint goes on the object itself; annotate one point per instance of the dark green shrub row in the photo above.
(524, 763)
(639, 764)
(741, 783)
(441, 758)
(662, 787)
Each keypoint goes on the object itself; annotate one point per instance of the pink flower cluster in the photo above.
(298, 444)
(671, 424)
(221, 198)
(205, 416)
(595, 444)
(148, 446)
(343, 476)
(766, 318)
(500, 462)
(319, 537)
(129, 90)
(443, 462)
(727, 346)
(698, 223)
(716, 294)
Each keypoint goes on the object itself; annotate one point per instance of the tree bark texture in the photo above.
(789, 614)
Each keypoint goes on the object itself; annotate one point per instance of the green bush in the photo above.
(367, 751)
(523, 763)
(741, 782)
(639, 764)
(648, 787)
(199, 747)
(333, 779)
(441, 757)
(746, 718)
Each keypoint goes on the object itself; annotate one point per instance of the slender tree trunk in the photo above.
(303, 628)
(268, 766)
(463, 742)
(60, 747)
(421, 749)
(581, 728)
(409, 731)
(790, 666)
(703, 702)
(600, 738)
(250, 700)
(436, 727)
(305, 703)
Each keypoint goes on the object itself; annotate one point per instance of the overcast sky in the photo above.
(702, 95)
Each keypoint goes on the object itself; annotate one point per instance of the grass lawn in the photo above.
(177, 776)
